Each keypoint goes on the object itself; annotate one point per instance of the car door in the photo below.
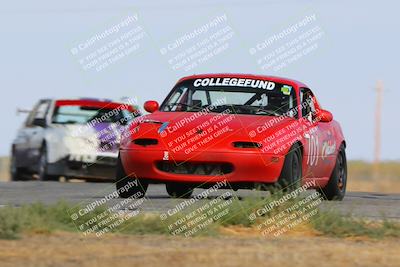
(35, 131)
(21, 143)
(312, 135)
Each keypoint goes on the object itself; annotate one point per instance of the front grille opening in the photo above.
(145, 141)
(192, 168)
(106, 160)
(244, 144)
(75, 165)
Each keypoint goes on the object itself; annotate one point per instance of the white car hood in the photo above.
(82, 142)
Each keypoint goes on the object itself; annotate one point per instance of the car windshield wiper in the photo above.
(253, 109)
(221, 108)
(64, 122)
(258, 110)
(267, 112)
(184, 105)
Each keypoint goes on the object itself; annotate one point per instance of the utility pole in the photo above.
(378, 117)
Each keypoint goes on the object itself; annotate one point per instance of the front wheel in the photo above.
(42, 168)
(176, 190)
(16, 172)
(127, 186)
(290, 177)
(336, 187)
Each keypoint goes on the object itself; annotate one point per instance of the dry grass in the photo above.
(364, 177)
(39, 218)
(4, 169)
(70, 249)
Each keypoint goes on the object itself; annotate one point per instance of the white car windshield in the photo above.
(73, 114)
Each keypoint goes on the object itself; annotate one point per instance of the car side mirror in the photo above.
(151, 106)
(41, 122)
(324, 116)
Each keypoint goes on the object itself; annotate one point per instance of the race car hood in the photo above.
(204, 130)
(101, 137)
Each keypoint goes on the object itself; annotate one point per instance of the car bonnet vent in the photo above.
(145, 141)
(243, 144)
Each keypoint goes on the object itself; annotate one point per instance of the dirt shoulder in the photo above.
(72, 249)
(4, 169)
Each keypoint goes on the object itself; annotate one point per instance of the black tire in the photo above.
(127, 186)
(336, 187)
(42, 167)
(176, 190)
(16, 173)
(291, 174)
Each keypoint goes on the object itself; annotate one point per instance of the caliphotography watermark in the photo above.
(276, 142)
(189, 135)
(198, 45)
(200, 212)
(108, 213)
(100, 136)
(287, 211)
(285, 47)
(110, 45)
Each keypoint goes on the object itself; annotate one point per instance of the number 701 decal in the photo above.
(313, 147)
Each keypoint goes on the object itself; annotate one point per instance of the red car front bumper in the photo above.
(246, 166)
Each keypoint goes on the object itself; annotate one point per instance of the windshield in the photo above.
(242, 96)
(75, 114)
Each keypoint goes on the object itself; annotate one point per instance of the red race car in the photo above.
(233, 131)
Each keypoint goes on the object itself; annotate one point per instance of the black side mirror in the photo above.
(39, 122)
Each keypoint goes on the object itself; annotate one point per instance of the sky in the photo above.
(139, 49)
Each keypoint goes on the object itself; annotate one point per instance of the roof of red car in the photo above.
(245, 76)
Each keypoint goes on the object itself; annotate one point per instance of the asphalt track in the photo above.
(368, 205)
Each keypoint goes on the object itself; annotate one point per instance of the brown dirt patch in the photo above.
(244, 249)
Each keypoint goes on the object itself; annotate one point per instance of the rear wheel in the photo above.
(336, 187)
(290, 177)
(176, 190)
(127, 186)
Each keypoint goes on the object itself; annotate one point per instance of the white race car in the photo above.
(74, 138)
